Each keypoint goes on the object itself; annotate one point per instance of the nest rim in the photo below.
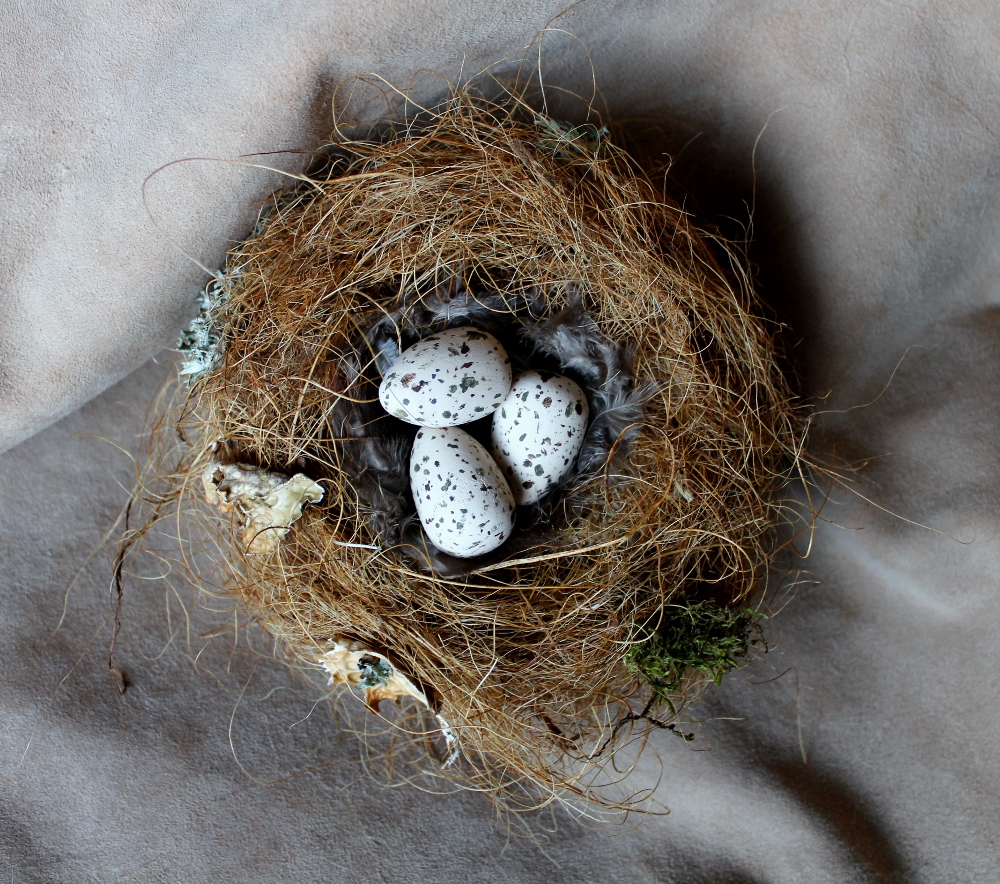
(535, 751)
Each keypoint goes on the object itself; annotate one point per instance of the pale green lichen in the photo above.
(202, 341)
(374, 671)
(557, 137)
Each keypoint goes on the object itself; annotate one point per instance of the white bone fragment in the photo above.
(270, 503)
(351, 664)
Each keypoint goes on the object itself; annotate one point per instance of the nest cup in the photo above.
(510, 670)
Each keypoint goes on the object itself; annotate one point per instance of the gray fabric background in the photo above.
(872, 758)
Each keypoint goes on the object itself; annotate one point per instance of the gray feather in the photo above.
(604, 370)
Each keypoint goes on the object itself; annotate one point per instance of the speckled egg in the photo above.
(462, 498)
(452, 377)
(537, 433)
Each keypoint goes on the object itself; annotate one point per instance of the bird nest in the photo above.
(520, 673)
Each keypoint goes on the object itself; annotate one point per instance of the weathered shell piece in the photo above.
(350, 663)
(462, 498)
(452, 377)
(269, 502)
(537, 433)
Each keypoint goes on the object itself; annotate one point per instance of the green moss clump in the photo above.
(701, 637)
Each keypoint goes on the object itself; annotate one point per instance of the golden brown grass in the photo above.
(523, 659)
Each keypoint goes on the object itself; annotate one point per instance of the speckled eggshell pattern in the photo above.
(537, 433)
(452, 377)
(462, 498)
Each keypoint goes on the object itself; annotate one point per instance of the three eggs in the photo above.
(466, 496)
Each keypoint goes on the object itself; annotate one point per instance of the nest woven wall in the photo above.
(520, 674)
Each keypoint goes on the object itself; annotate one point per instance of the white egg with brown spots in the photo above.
(462, 498)
(452, 377)
(537, 433)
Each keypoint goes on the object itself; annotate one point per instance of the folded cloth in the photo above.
(863, 747)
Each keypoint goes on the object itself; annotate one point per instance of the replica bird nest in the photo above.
(522, 671)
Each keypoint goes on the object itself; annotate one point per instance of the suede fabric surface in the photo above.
(862, 747)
